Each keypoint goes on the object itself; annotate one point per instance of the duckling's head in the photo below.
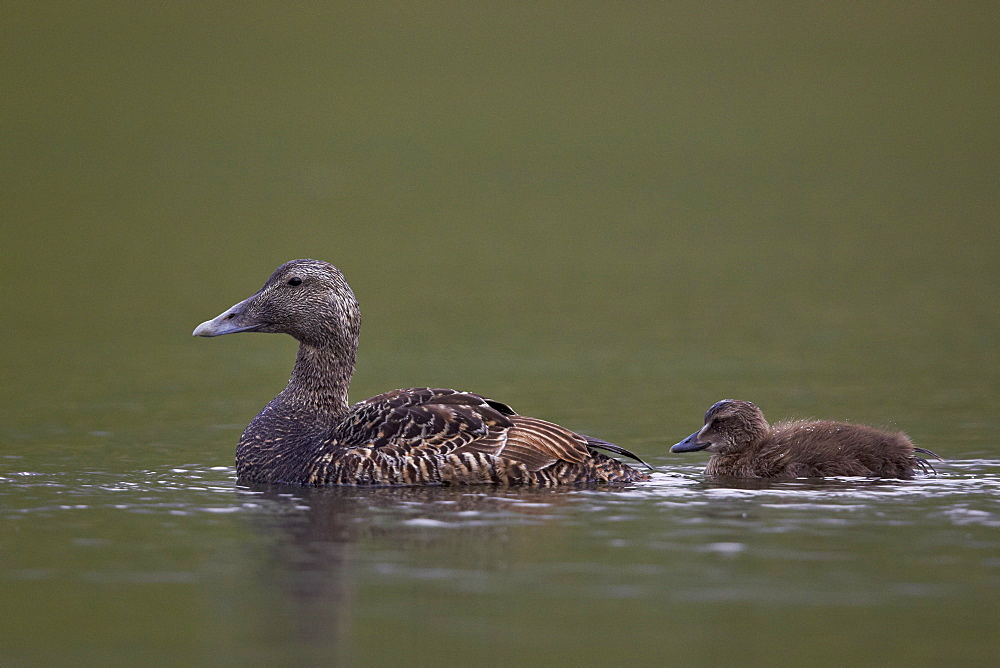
(729, 426)
(307, 299)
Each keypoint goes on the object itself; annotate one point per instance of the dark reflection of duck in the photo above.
(356, 507)
(309, 434)
(744, 445)
(325, 555)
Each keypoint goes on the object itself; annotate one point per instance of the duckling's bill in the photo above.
(690, 444)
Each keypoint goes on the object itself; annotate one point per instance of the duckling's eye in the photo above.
(295, 280)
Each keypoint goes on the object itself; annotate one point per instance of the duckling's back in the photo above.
(826, 448)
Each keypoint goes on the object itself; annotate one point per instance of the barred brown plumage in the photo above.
(308, 434)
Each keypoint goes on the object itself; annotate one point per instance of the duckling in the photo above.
(744, 445)
(309, 434)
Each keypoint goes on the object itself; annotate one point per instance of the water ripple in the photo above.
(963, 493)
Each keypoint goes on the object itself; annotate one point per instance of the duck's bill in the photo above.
(230, 321)
(690, 444)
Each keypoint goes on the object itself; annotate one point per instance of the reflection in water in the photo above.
(326, 575)
(313, 568)
(310, 567)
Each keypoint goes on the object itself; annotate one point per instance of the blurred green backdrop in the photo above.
(683, 198)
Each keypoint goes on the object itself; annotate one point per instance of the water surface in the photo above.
(678, 567)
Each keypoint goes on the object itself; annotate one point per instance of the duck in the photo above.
(744, 445)
(310, 435)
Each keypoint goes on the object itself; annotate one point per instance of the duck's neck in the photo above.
(321, 378)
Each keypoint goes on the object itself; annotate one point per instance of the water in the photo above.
(606, 216)
(204, 569)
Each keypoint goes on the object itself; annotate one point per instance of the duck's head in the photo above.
(729, 425)
(307, 299)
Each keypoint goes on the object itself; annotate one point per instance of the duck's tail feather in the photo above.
(924, 465)
(925, 451)
(598, 444)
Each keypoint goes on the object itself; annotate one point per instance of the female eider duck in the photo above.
(744, 445)
(308, 434)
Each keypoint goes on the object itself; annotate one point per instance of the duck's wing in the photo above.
(399, 421)
(427, 421)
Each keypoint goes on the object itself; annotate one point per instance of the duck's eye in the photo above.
(295, 280)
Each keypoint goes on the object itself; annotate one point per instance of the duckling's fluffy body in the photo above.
(309, 434)
(744, 445)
